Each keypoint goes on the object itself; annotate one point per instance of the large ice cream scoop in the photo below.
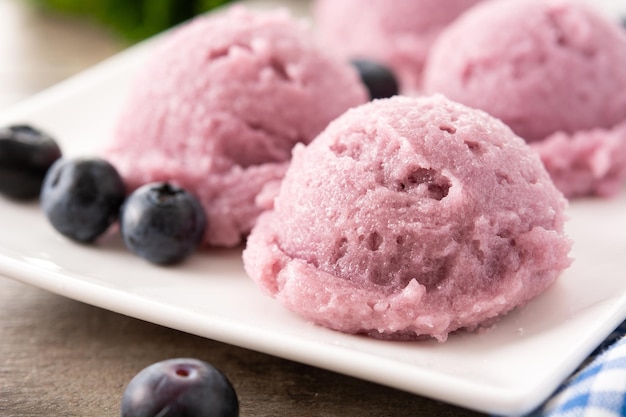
(554, 71)
(219, 106)
(408, 218)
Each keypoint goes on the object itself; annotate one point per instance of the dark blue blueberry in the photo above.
(26, 154)
(180, 388)
(162, 223)
(82, 197)
(379, 80)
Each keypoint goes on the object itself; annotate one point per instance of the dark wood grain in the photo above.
(60, 357)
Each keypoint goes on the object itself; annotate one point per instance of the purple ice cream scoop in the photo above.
(220, 104)
(410, 218)
(553, 70)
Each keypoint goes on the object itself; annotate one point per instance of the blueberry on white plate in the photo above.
(81, 197)
(26, 154)
(162, 223)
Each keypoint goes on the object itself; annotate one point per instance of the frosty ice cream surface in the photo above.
(411, 217)
(219, 106)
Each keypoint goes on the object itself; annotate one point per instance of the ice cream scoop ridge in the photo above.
(220, 104)
(553, 70)
(409, 218)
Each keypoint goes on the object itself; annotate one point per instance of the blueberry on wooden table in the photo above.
(181, 387)
(26, 154)
(162, 223)
(81, 197)
(379, 80)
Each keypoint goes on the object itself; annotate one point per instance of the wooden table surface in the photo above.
(60, 357)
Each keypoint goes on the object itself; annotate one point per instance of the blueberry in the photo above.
(180, 388)
(379, 80)
(81, 197)
(162, 223)
(26, 154)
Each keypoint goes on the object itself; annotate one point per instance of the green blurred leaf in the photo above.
(134, 20)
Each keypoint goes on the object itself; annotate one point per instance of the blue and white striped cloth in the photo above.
(598, 388)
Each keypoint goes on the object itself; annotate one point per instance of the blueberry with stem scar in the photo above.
(180, 387)
(162, 223)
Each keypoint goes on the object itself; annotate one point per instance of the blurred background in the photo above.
(40, 46)
(131, 20)
(43, 42)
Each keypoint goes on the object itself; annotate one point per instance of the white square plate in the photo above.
(508, 370)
